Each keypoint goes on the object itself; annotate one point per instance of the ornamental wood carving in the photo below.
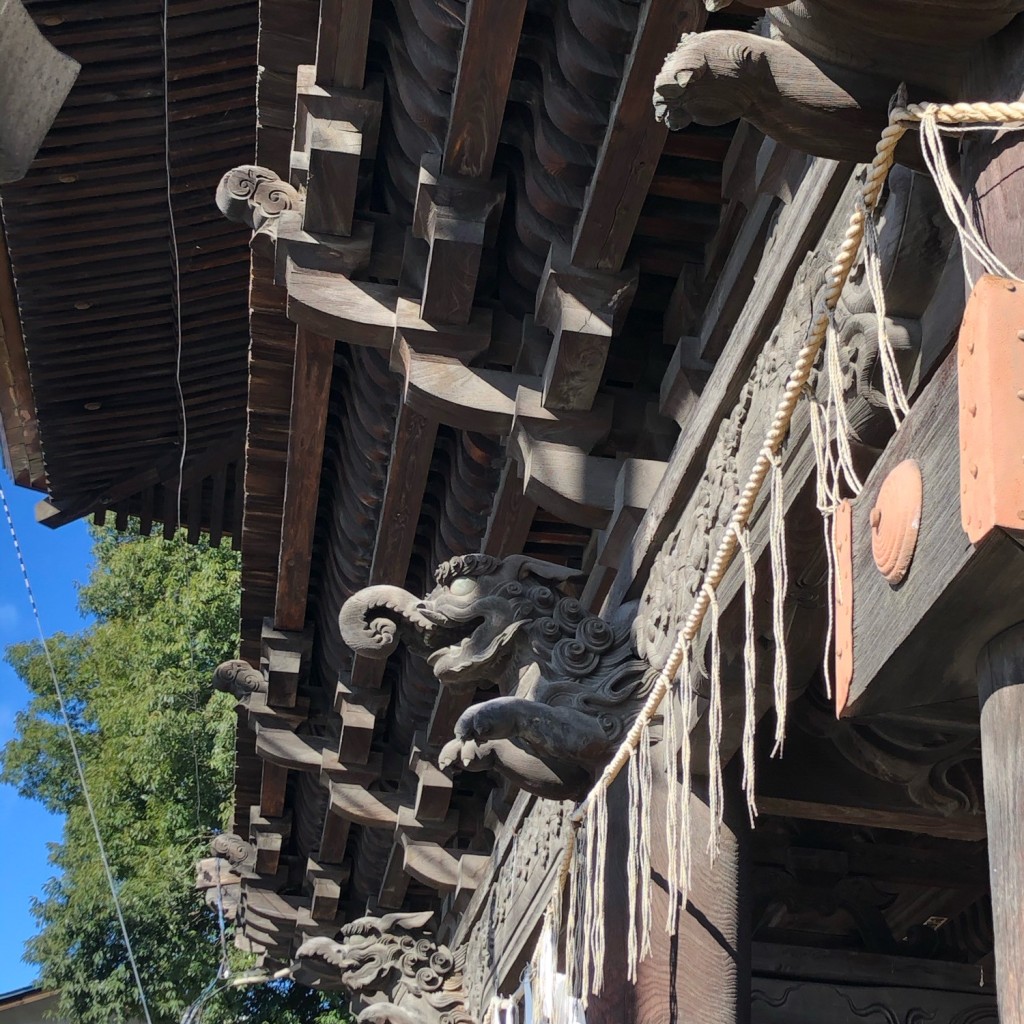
(570, 682)
(390, 966)
(821, 75)
(255, 196)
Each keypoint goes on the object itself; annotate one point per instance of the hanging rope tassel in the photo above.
(545, 959)
(592, 979)
(749, 674)
(895, 396)
(639, 867)
(678, 723)
(574, 928)
(780, 587)
(837, 408)
(716, 793)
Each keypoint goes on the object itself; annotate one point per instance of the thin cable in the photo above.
(77, 759)
(174, 261)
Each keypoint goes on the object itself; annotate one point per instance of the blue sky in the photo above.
(56, 559)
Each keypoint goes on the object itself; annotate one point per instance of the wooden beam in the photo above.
(411, 451)
(916, 643)
(342, 41)
(511, 516)
(705, 964)
(583, 309)
(800, 225)
(1001, 689)
(311, 391)
(489, 44)
(633, 141)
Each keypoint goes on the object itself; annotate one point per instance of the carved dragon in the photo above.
(398, 972)
(569, 682)
(820, 75)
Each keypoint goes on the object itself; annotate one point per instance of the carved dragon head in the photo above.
(401, 973)
(466, 626)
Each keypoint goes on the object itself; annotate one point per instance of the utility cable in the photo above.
(77, 758)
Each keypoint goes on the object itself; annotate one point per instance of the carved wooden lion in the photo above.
(569, 682)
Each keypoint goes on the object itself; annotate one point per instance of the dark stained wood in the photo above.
(411, 450)
(849, 967)
(511, 517)
(704, 965)
(799, 227)
(341, 42)
(633, 142)
(1001, 689)
(489, 44)
(311, 387)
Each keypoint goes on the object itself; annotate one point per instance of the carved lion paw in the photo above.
(462, 753)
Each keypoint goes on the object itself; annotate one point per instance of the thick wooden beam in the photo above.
(411, 451)
(311, 389)
(489, 43)
(583, 310)
(1001, 690)
(341, 43)
(633, 142)
(511, 516)
(916, 643)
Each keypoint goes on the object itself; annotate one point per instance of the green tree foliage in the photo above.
(157, 743)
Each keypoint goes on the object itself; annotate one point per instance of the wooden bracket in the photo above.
(583, 310)
(990, 362)
(336, 130)
(283, 657)
(457, 218)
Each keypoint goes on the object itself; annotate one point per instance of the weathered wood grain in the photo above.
(311, 388)
(1001, 690)
(633, 141)
(489, 45)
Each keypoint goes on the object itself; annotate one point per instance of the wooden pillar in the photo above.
(1001, 691)
(700, 975)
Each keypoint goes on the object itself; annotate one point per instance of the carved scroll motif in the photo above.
(913, 242)
(255, 196)
(238, 678)
(389, 965)
(515, 897)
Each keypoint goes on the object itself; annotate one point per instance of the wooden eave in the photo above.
(88, 235)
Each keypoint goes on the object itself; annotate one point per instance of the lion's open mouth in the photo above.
(473, 653)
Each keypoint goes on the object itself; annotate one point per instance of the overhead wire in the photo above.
(79, 768)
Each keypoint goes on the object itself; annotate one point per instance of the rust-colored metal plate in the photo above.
(990, 361)
(843, 596)
(896, 519)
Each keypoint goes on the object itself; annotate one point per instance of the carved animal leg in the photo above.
(558, 732)
(546, 777)
(817, 108)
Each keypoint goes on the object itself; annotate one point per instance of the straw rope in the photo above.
(956, 117)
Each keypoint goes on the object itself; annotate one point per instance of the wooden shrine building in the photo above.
(515, 351)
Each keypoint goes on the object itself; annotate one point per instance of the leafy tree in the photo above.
(157, 744)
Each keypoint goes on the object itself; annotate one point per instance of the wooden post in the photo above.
(700, 975)
(1001, 691)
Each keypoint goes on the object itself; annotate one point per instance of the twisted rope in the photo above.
(902, 117)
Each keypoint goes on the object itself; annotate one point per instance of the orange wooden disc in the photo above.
(895, 521)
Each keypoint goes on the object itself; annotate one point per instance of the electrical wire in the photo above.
(77, 758)
(174, 259)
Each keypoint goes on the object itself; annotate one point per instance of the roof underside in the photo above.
(90, 240)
